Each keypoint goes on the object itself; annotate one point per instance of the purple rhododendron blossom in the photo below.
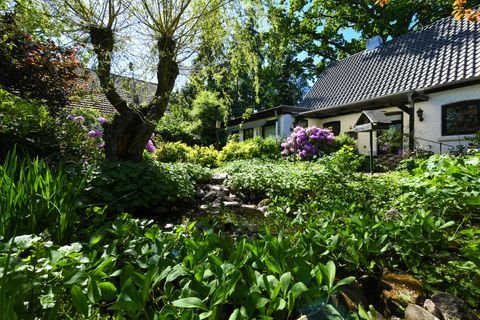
(307, 143)
(101, 145)
(95, 133)
(79, 119)
(70, 117)
(102, 120)
(150, 146)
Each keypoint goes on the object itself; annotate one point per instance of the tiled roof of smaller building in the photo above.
(94, 98)
(442, 53)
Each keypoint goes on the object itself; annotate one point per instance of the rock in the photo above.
(219, 177)
(250, 209)
(200, 193)
(453, 308)
(414, 312)
(231, 204)
(399, 290)
(263, 209)
(351, 296)
(264, 202)
(392, 214)
(216, 187)
(210, 196)
(430, 306)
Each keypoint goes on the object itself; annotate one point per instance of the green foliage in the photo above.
(129, 186)
(35, 198)
(73, 142)
(176, 125)
(173, 152)
(24, 119)
(30, 126)
(204, 156)
(444, 184)
(180, 152)
(207, 110)
(257, 147)
(36, 68)
(344, 140)
(130, 269)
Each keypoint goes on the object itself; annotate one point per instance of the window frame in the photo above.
(459, 104)
(325, 125)
(249, 130)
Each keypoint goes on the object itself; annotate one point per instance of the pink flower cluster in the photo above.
(307, 144)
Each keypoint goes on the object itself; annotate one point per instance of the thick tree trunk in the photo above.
(127, 135)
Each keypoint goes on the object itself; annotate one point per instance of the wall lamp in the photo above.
(420, 114)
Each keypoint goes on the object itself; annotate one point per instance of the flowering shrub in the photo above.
(307, 144)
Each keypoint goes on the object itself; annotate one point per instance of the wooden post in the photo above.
(371, 151)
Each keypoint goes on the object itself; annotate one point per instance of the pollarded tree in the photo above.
(172, 24)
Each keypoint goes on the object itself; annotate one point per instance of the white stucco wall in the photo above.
(347, 122)
(430, 128)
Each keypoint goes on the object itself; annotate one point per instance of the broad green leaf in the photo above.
(272, 265)
(282, 304)
(77, 278)
(108, 290)
(205, 315)
(285, 279)
(344, 282)
(298, 288)
(447, 224)
(331, 313)
(331, 271)
(260, 303)
(191, 302)
(79, 300)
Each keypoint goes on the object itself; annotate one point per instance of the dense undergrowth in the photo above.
(68, 252)
(424, 222)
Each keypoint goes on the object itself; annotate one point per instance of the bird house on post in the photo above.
(369, 121)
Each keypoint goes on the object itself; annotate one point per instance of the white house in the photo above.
(426, 82)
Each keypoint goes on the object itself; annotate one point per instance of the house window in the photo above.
(269, 130)
(302, 123)
(461, 118)
(247, 133)
(334, 126)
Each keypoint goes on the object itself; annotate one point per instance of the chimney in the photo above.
(374, 43)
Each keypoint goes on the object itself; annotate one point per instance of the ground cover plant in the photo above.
(323, 211)
(127, 186)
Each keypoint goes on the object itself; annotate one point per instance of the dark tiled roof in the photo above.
(442, 53)
(282, 109)
(94, 98)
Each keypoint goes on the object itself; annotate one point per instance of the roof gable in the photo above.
(444, 52)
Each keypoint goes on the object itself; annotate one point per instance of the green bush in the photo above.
(36, 132)
(257, 147)
(172, 152)
(74, 143)
(127, 186)
(27, 124)
(204, 156)
(444, 183)
(180, 152)
(343, 140)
